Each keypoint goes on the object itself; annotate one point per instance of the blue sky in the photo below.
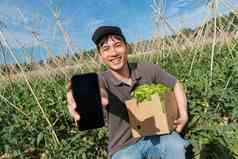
(81, 17)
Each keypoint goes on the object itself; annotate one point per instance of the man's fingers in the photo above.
(177, 121)
(70, 100)
(104, 101)
(179, 129)
(104, 97)
(179, 125)
(74, 114)
(69, 86)
(72, 106)
(174, 126)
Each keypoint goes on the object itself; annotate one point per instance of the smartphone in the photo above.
(86, 93)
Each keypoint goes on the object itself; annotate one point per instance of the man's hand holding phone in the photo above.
(72, 104)
(85, 100)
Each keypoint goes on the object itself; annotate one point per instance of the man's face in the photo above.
(113, 53)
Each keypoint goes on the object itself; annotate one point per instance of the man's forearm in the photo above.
(181, 99)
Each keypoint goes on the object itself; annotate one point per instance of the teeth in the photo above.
(115, 61)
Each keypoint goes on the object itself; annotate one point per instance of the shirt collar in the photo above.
(133, 73)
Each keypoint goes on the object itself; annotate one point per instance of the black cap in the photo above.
(103, 31)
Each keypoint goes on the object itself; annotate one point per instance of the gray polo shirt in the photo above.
(116, 112)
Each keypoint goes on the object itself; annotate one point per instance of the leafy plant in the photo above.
(144, 92)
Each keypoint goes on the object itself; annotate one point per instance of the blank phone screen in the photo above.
(86, 93)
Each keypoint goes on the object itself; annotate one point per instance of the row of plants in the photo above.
(212, 100)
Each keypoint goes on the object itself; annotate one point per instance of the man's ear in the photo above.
(129, 48)
(100, 58)
(102, 64)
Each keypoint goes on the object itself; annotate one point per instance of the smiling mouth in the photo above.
(116, 60)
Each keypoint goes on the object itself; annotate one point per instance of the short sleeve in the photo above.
(102, 82)
(163, 77)
(103, 85)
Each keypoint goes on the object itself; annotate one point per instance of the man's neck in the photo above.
(123, 74)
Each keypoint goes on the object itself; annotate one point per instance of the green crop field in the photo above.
(35, 123)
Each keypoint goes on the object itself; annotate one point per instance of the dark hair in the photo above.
(107, 37)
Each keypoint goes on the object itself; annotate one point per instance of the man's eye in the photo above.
(105, 49)
(118, 45)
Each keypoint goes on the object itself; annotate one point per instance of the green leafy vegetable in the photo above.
(144, 92)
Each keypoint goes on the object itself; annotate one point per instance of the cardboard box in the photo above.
(149, 118)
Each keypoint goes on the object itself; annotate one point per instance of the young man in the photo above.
(116, 85)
